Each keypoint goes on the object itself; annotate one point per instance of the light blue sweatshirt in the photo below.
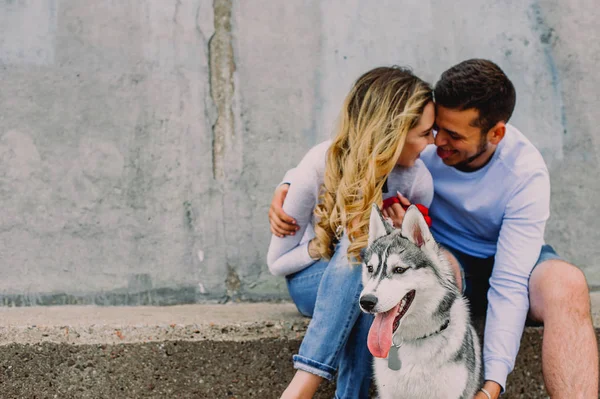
(499, 210)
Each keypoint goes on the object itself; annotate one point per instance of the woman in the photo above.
(385, 123)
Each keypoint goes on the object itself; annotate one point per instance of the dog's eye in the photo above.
(370, 269)
(399, 270)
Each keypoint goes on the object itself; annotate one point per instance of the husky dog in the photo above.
(422, 339)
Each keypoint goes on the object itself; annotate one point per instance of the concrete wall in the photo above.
(140, 140)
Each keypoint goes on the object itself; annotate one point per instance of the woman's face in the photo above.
(418, 137)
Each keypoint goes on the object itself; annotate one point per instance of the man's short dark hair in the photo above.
(478, 84)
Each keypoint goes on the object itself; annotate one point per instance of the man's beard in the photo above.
(464, 165)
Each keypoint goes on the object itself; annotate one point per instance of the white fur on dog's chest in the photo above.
(427, 370)
(420, 380)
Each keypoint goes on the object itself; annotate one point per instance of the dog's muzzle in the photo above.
(368, 302)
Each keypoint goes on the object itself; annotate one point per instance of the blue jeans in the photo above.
(336, 338)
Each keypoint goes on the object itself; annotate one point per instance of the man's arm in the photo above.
(281, 223)
(520, 240)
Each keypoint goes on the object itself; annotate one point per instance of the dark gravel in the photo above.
(177, 369)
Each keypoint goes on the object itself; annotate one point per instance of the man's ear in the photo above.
(415, 228)
(378, 227)
(496, 133)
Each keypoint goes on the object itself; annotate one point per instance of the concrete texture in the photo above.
(140, 141)
(192, 351)
(80, 325)
(91, 325)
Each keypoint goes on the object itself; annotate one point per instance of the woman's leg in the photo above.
(355, 373)
(303, 287)
(304, 385)
(333, 322)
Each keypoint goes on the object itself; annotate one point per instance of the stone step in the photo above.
(188, 351)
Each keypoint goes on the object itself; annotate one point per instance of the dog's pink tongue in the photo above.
(380, 334)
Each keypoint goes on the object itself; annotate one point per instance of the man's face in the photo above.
(460, 144)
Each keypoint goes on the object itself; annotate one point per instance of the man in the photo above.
(491, 204)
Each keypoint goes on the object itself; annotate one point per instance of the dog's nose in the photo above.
(368, 302)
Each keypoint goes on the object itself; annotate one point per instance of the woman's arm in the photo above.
(290, 254)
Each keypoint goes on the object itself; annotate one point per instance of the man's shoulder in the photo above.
(518, 155)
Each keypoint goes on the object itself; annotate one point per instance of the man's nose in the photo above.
(440, 139)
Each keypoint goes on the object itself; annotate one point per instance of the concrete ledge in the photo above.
(80, 325)
(189, 351)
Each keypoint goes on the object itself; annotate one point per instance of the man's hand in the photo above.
(396, 212)
(281, 223)
(492, 387)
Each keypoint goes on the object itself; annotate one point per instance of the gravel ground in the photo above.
(186, 369)
(222, 351)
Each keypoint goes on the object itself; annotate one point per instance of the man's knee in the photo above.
(555, 286)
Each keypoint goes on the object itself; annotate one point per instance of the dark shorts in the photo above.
(476, 274)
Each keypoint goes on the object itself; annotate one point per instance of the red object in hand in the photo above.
(423, 209)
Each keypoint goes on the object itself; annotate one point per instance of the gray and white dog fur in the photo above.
(437, 362)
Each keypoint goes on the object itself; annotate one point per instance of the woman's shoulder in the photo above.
(317, 153)
(321, 148)
(421, 169)
(312, 165)
(416, 172)
(414, 182)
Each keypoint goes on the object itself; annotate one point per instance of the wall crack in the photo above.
(221, 71)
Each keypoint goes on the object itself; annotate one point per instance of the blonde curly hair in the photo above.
(383, 105)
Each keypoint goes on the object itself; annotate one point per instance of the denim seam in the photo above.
(313, 367)
(313, 275)
(347, 327)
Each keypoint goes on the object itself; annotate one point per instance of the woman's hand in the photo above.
(396, 212)
(281, 223)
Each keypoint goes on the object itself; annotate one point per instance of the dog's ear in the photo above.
(378, 227)
(415, 228)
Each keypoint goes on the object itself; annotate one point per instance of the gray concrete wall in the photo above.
(140, 140)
